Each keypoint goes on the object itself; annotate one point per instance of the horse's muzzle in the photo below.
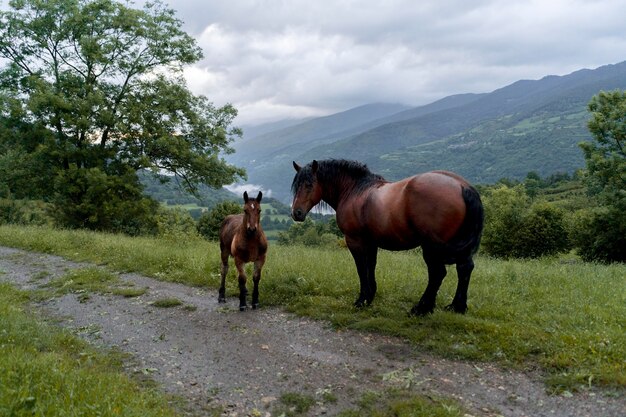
(298, 215)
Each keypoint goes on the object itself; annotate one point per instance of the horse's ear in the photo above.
(259, 197)
(296, 166)
(245, 196)
(314, 166)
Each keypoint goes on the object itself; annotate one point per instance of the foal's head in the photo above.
(252, 212)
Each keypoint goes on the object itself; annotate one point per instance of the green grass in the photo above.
(167, 302)
(560, 315)
(45, 371)
(402, 403)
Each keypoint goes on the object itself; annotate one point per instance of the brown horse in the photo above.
(438, 210)
(242, 237)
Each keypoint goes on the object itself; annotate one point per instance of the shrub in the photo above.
(600, 235)
(542, 232)
(517, 228)
(175, 223)
(210, 222)
(504, 209)
(92, 199)
(310, 233)
(25, 212)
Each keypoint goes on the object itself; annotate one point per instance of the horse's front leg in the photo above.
(224, 271)
(365, 260)
(256, 277)
(243, 291)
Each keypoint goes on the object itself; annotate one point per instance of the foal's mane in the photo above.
(334, 172)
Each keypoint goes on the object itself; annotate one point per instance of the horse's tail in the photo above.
(468, 237)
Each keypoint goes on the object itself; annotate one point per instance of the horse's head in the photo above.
(306, 190)
(252, 212)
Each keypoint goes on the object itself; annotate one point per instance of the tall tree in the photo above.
(606, 157)
(602, 235)
(106, 81)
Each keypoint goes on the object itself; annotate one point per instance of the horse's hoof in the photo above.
(420, 310)
(243, 308)
(456, 309)
(221, 300)
(255, 306)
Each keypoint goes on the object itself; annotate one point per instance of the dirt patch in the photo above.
(213, 355)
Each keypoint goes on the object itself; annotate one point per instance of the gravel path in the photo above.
(213, 355)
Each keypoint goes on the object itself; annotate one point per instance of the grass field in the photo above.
(563, 316)
(45, 371)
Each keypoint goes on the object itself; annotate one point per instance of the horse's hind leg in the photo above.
(436, 274)
(256, 277)
(464, 271)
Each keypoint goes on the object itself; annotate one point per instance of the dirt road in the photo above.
(213, 355)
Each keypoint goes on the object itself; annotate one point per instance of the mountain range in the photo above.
(530, 125)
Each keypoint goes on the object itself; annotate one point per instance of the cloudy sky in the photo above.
(276, 59)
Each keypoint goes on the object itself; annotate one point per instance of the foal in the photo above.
(242, 237)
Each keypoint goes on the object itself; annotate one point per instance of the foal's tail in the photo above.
(468, 237)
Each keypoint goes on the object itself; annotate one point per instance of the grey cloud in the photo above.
(281, 59)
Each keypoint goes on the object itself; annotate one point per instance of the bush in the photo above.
(25, 212)
(517, 228)
(210, 222)
(92, 199)
(504, 209)
(542, 232)
(600, 235)
(309, 233)
(175, 223)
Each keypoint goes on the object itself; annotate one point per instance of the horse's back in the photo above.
(425, 207)
(435, 203)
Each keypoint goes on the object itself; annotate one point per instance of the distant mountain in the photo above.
(309, 133)
(530, 125)
(252, 131)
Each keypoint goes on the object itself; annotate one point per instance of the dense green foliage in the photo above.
(602, 232)
(521, 312)
(520, 228)
(210, 222)
(92, 93)
(310, 233)
(175, 223)
(25, 212)
(93, 199)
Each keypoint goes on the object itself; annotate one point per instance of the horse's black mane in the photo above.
(331, 171)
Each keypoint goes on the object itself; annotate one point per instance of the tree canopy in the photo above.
(97, 85)
(602, 233)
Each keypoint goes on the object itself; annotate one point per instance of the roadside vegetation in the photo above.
(560, 314)
(46, 371)
(86, 140)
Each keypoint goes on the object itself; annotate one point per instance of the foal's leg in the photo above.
(436, 273)
(224, 271)
(243, 291)
(365, 260)
(464, 271)
(256, 277)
